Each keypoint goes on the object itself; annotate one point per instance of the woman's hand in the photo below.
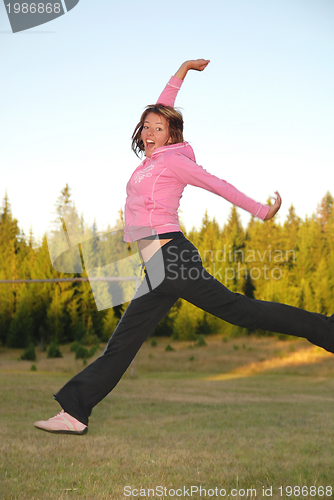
(273, 209)
(196, 64)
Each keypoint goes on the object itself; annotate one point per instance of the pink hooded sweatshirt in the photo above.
(156, 186)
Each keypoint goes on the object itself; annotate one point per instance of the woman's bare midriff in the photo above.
(147, 248)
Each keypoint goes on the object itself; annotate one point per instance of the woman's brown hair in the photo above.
(175, 126)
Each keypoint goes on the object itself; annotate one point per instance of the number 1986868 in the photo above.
(306, 491)
(33, 8)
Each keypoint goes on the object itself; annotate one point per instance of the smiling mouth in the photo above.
(150, 143)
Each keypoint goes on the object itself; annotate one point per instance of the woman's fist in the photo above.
(198, 64)
(273, 209)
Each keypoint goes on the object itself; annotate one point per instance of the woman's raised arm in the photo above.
(196, 64)
(168, 95)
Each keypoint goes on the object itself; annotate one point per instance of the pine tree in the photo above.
(234, 241)
(9, 247)
(20, 332)
(325, 209)
(110, 322)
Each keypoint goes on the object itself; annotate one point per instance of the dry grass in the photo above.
(172, 426)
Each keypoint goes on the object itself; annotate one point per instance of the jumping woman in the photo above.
(153, 195)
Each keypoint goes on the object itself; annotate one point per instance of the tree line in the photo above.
(292, 262)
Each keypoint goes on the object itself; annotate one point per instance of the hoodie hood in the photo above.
(180, 147)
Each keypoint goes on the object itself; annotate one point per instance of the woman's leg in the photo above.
(209, 294)
(91, 385)
(154, 298)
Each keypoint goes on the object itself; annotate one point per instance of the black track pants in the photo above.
(185, 278)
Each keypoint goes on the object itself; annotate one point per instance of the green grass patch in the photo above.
(169, 426)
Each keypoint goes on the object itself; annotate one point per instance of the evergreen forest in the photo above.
(290, 262)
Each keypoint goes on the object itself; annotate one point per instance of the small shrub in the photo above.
(225, 339)
(33, 368)
(191, 358)
(90, 339)
(53, 351)
(84, 362)
(82, 352)
(201, 341)
(29, 353)
(74, 346)
(92, 351)
(235, 347)
(154, 343)
(169, 348)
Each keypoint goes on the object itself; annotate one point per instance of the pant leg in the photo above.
(155, 296)
(209, 294)
(90, 386)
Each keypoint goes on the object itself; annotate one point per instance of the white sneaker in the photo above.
(62, 423)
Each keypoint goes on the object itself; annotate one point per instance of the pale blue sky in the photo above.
(261, 116)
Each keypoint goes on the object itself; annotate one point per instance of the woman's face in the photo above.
(155, 133)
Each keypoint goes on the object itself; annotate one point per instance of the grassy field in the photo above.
(238, 415)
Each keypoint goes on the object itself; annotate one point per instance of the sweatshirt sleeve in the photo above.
(188, 172)
(168, 95)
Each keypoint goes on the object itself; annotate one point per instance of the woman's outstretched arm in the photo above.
(200, 65)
